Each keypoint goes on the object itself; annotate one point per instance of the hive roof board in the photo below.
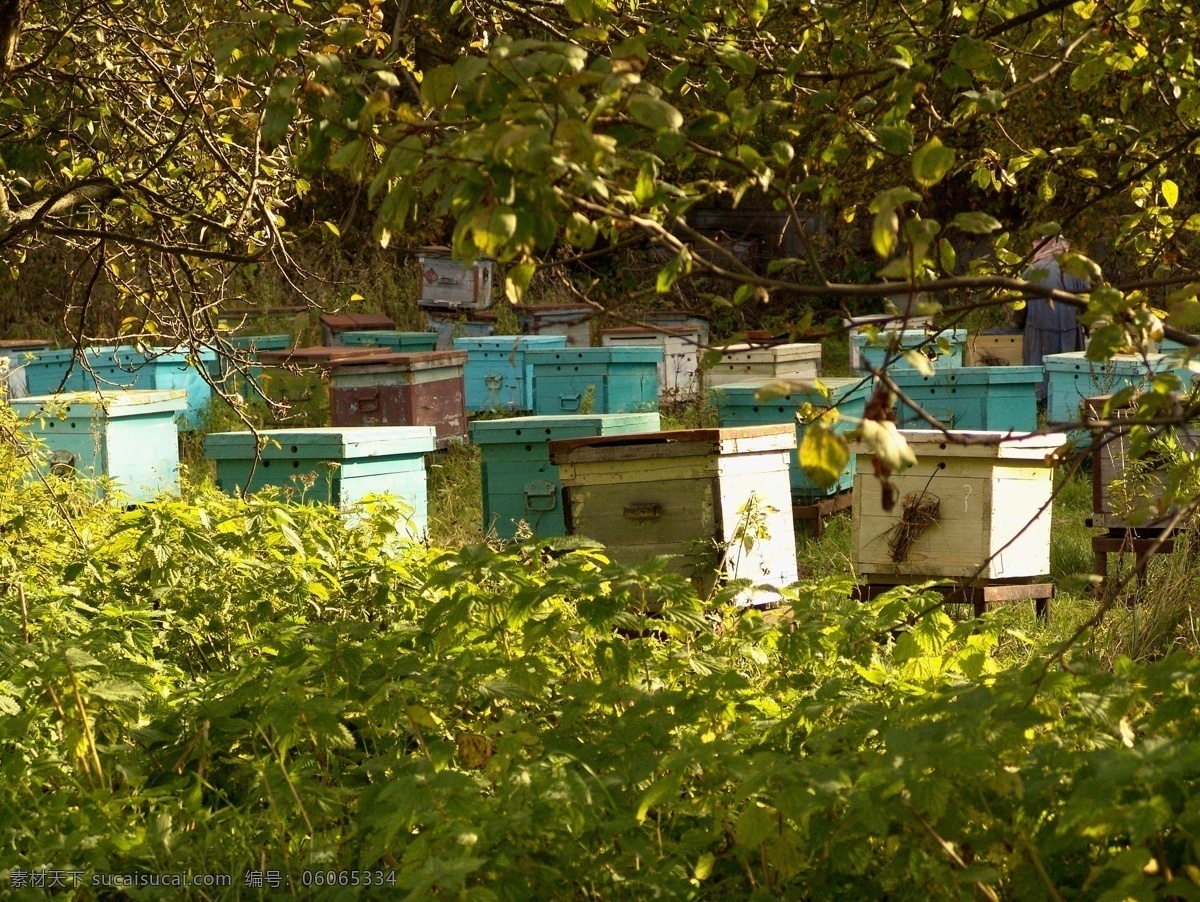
(676, 443)
(328, 442)
(114, 404)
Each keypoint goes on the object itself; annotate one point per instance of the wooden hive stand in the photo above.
(813, 514)
(980, 596)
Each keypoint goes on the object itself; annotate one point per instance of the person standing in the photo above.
(1050, 328)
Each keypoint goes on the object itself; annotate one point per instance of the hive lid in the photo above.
(413, 360)
(344, 322)
(982, 445)
(400, 335)
(675, 443)
(640, 331)
(556, 428)
(1003, 330)
(24, 344)
(841, 388)
(328, 442)
(916, 336)
(124, 403)
(611, 354)
(509, 342)
(1125, 364)
(313, 356)
(540, 309)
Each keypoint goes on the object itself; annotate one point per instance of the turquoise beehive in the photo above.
(520, 485)
(875, 354)
(594, 380)
(497, 375)
(127, 440)
(394, 340)
(991, 398)
(329, 465)
(737, 405)
(1072, 378)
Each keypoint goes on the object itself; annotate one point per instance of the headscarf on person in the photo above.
(1048, 249)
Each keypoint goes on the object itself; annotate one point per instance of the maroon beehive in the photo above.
(422, 389)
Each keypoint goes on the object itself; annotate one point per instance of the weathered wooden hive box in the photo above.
(454, 285)
(874, 355)
(679, 319)
(738, 405)
(449, 326)
(995, 347)
(1073, 379)
(334, 325)
(696, 494)
(298, 376)
(328, 465)
(1124, 486)
(571, 320)
(497, 376)
(745, 361)
(392, 340)
(520, 484)
(594, 380)
(129, 437)
(401, 390)
(988, 398)
(677, 374)
(991, 517)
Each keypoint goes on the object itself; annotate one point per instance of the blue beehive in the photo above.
(992, 398)
(519, 482)
(1073, 378)
(594, 380)
(497, 375)
(396, 341)
(924, 342)
(330, 465)
(130, 437)
(738, 406)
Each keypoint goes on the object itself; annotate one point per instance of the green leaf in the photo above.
(895, 139)
(738, 60)
(972, 54)
(919, 362)
(654, 113)
(1170, 192)
(823, 455)
(931, 163)
(437, 87)
(517, 279)
(976, 223)
(491, 229)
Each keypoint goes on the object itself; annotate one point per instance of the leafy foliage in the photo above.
(218, 685)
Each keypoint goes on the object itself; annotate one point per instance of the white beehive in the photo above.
(692, 493)
(993, 510)
(746, 361)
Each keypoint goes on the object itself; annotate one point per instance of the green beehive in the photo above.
(393, 340)
(329, 465)
(128, 437)
(989, 398)
(1073, 378)
(519, 482)
(738, 406)
(594, 380)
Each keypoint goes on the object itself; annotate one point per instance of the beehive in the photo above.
(993, 510)
(333, 325)
(738, 405)
(745, 361)
(392, 340)
(14, 354)
(677, 374)
(875, 355)
(423, 389)
(453, 285)
(571, 320)
(497, 375)
(1122, 488)
(130, 437)
(1073, 378)
(520, 484)
(449, 326)
(692, 493)
(989, 398)
(679, 319)
(594, 380)
(298, 377)
(329, 465)
(255, 343)
(995, 347)
(855, 325)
